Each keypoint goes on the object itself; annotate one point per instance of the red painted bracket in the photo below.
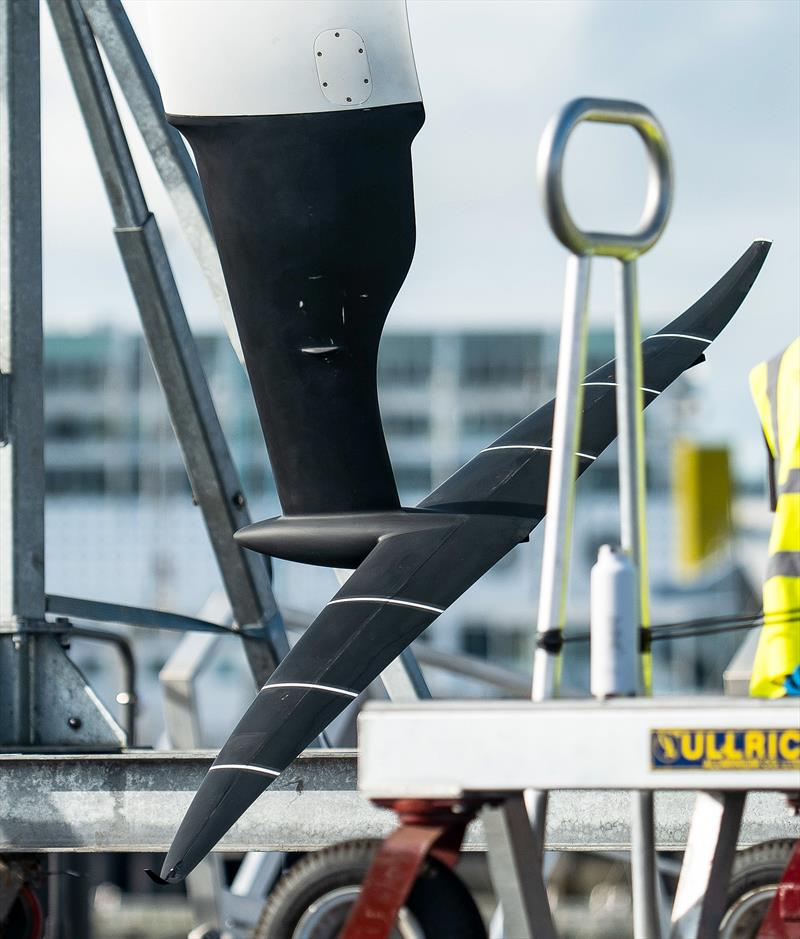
(427, 827)
(783, 916)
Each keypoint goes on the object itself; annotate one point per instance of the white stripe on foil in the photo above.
(530, 446)
(248, 768)
(613, 384)
(307, 684)
(678, 336)
(393, 601)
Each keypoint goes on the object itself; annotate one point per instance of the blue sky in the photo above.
(724, 79)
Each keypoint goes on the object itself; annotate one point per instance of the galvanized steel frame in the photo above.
(134, 800)
(44, 698)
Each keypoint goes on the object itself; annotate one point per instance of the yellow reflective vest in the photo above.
(775, 386)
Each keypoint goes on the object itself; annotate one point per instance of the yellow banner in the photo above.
(701, 482)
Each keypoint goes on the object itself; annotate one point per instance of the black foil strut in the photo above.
(485, 509)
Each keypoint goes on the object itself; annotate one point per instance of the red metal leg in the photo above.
(783, 916)
(426, 827)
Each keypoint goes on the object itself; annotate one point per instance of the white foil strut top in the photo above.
(215, 58)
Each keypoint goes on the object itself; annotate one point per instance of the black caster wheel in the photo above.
(757, 871)
(25, 919)
(312, 900)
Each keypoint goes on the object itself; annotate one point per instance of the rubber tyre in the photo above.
(760, 866)
(441, 904)
(25, 919)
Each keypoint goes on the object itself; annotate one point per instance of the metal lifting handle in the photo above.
(567, 418)
(572, 362)
(658, 202)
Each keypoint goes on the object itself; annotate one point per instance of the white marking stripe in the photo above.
(390, 600)
(678, 336)
(613, 384)
(530, 446)
(246, 766)
(308, 684)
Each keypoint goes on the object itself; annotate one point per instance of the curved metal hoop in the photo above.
(658, 202)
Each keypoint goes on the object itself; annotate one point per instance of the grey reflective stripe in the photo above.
(784, 564)
(773, 368)
(792, 482)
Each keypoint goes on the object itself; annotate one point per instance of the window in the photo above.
(406, 425)
(413, 478)
(89, 480)
(495, 643)
(80, 427)
(508, 645)
(405, 360)
(74, 373)
(491, 423)
(492, 360)
(475, 641)
(600, 348)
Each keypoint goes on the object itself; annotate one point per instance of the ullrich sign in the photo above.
(767, 749)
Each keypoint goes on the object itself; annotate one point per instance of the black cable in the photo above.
(707, 626)
(729, 618)
(700, 628)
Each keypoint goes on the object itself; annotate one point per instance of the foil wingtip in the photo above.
(171, 878)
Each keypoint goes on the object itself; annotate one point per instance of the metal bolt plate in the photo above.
(343, 67)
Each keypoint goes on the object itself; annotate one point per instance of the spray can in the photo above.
(614, 624)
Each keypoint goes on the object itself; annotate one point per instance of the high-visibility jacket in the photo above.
(775, 386)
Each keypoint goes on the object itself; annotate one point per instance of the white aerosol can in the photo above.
(614, 624)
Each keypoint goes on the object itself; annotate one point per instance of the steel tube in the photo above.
(514, 682)
(561, 484)
(134, 800)
(21, 356)
(403, 678)
(125, 650)
(98, 611)
(560, 501)
(644, 873)
(111, 26)
(633, 537)
(630, 431)
(701, 896)
(516, 870)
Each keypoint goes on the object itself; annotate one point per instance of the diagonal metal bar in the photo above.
(208, 461)
(99, 611)
(705, 875)
(111, 26)
(515, 855)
